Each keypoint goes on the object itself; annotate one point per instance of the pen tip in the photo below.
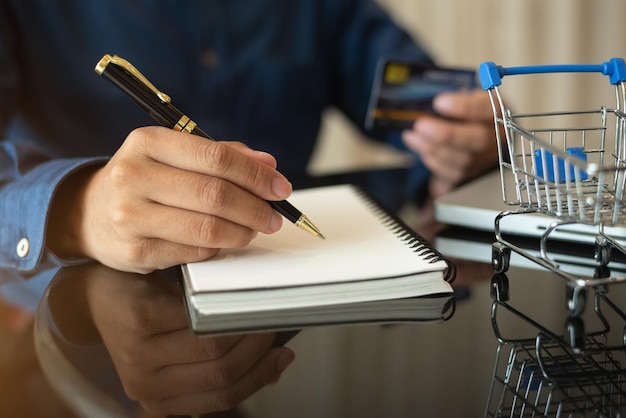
(306, 224)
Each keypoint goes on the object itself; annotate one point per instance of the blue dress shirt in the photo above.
(256, 71)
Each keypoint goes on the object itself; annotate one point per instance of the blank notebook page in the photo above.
(360, 244)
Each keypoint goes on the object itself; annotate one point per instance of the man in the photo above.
(258, 72)
(84, 174)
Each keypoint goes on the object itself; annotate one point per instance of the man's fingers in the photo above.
(469, 106)
(206, 195)
(145, 255)
(464, 136)
(261, 156)
(211, 158)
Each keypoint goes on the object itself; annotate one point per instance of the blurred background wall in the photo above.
(510, 33)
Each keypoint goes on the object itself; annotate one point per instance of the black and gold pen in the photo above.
(158, 104)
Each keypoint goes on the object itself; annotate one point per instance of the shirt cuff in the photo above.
(24, 209)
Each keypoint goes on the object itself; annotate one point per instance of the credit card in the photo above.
(403, 91)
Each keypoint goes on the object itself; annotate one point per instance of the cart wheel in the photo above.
(602, 251)
(500, 257)
(576, 300)
(500, 287)
(602, 272)
(575, 333)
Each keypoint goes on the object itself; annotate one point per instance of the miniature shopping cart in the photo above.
(569, 165)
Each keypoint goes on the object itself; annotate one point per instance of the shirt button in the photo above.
(23, 247)
(209, 59)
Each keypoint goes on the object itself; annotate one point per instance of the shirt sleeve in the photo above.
(25, 204)
(29, 176)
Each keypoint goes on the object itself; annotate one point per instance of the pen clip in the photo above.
(121, 62)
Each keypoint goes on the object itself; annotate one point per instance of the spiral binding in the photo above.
(420, 245)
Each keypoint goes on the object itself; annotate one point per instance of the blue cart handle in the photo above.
(491, 74)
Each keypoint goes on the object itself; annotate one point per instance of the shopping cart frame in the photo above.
(565, 172)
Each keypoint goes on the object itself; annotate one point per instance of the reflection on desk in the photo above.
(441, 370)
(579, 371)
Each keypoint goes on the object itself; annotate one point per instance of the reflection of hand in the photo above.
(166, 198)
(24, 390)
(143, 323)
(460, 147)
(14, 318)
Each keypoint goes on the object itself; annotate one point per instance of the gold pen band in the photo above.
(185, 124)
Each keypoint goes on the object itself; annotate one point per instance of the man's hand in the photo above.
(460, 147)
(166, 198)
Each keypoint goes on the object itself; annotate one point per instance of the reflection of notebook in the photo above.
(476, 205)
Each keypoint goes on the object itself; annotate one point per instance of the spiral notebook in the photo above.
(370, 268)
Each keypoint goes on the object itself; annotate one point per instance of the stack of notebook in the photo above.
(371, 268)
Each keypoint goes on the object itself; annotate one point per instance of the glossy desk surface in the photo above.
(413, 370)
